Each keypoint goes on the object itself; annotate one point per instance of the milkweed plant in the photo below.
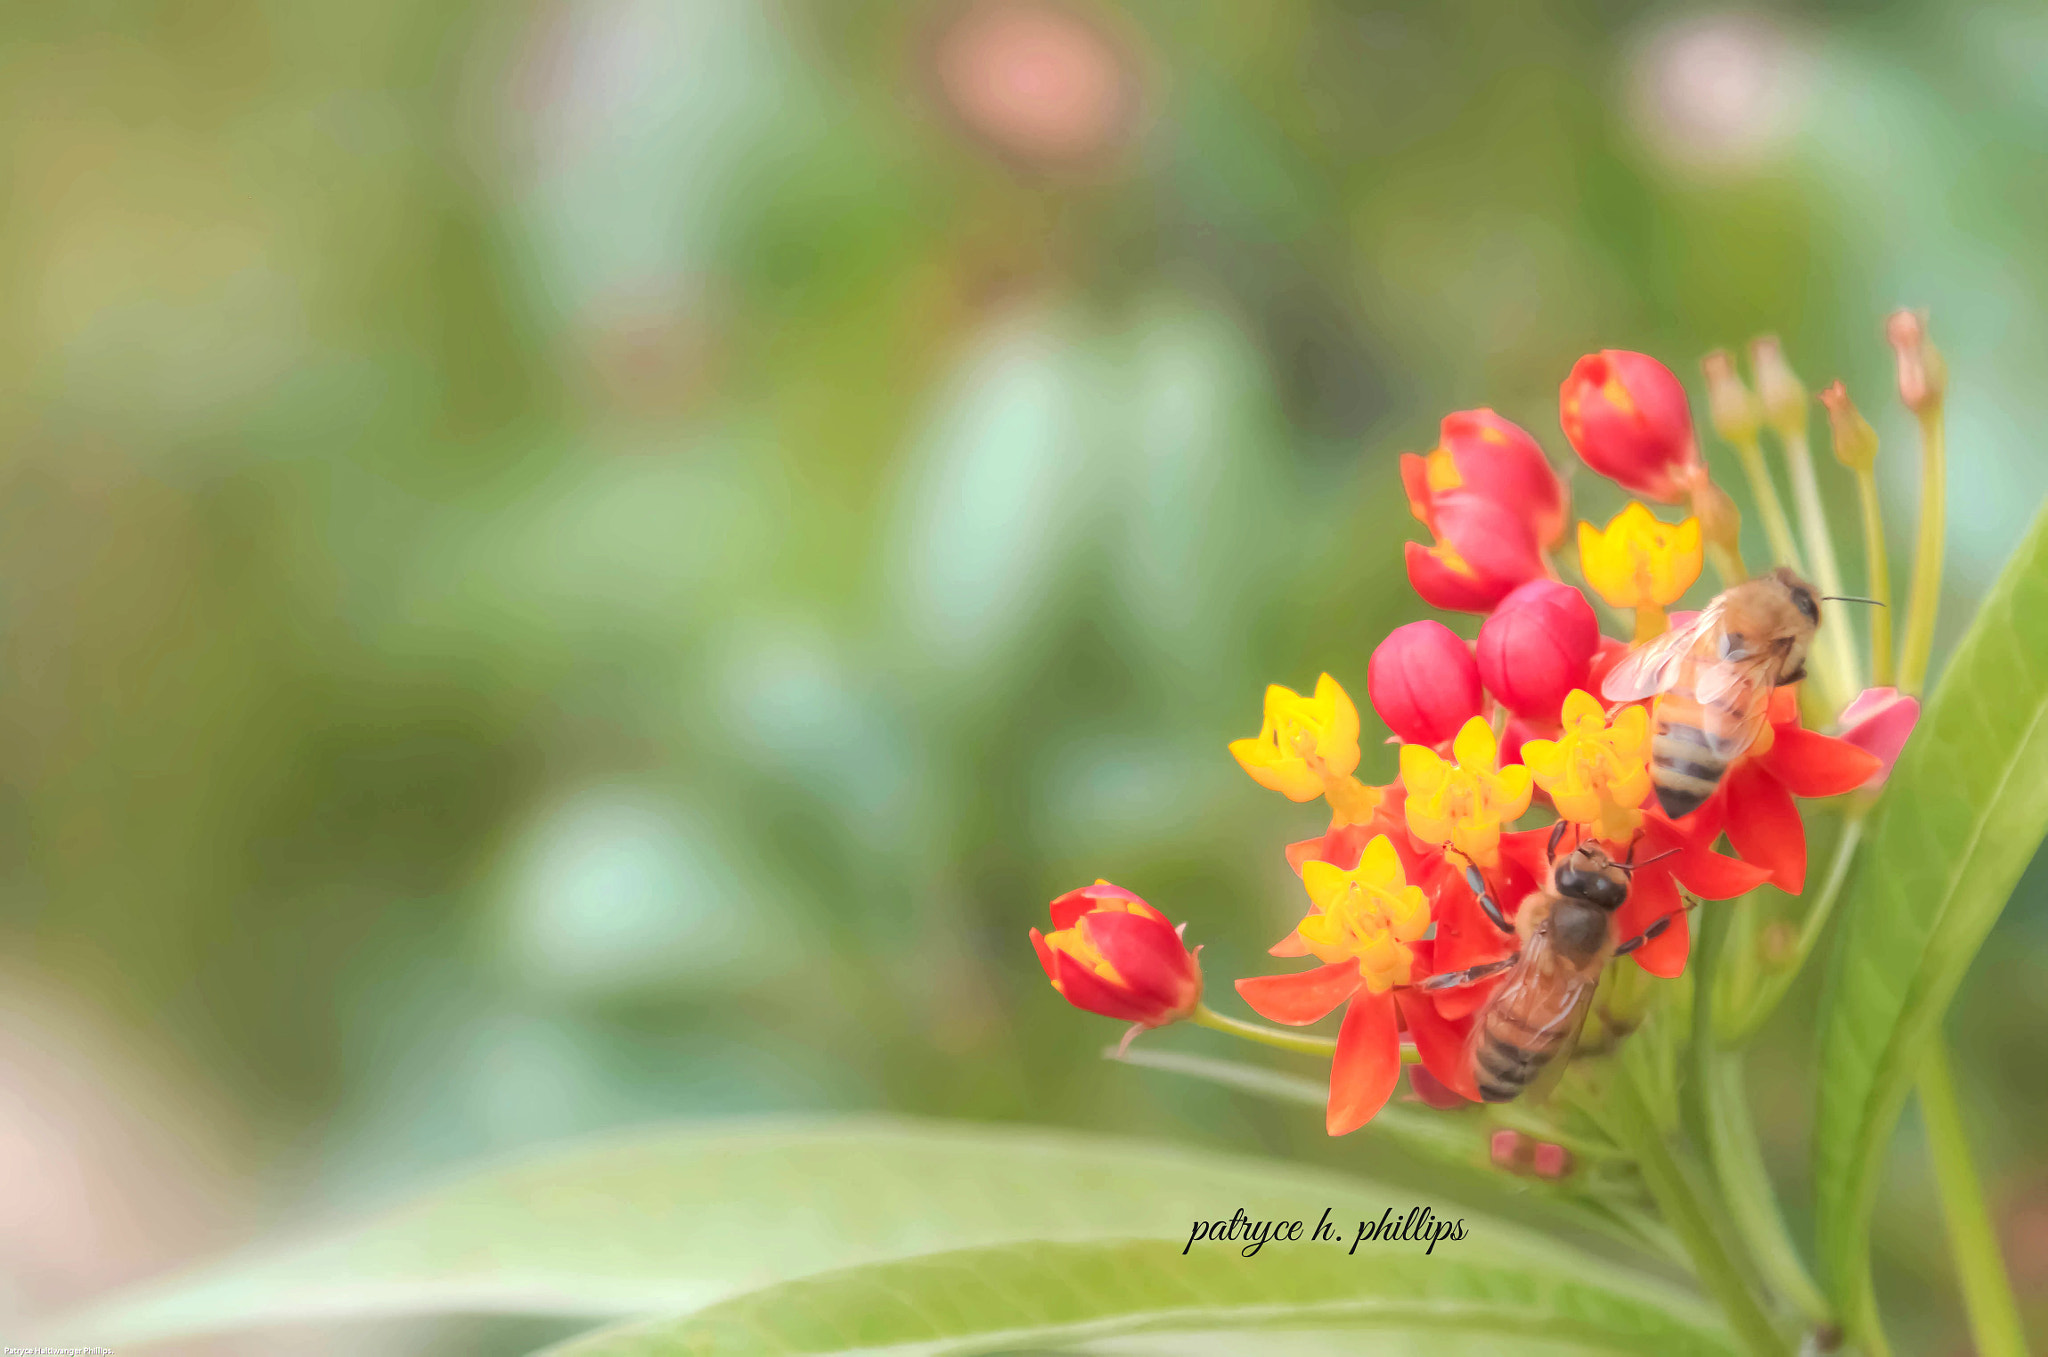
(1409, 895)
(1545, 949)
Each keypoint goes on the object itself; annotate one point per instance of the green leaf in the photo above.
(1031, 1294)
(1966, 808)
(667, 1221)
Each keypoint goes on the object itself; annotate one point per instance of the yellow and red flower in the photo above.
(1462, 803)
(1482, 550)
(1626, 416)
(1754, 801)
(1481, 455)
(1308, 747)
(1113, 954)
(1595, 773)
(1366, 926)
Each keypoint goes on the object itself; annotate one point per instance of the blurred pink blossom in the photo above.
(1878, 722)
(1041, 83)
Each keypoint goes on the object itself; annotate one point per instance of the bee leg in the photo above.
(1478, 885)
(1794, 676)
(1470, 975)
(1654, 930)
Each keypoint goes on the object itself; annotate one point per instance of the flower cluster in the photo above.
(1411, 880)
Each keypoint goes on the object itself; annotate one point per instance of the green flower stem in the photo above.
(1837, 641)
(1277, 1037)
(1738, 1163)
(1878, 582)
(1776, 526)
(1925, 597)
(1734, 1026)
(1729, 1134)
(1987, 1290)
(1632, 1124)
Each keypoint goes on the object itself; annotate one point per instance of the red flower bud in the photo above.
(1537, 647)
(1625, 415)
(1423, 683)
(1113, 954)
(1487, 457)
(1482, 551)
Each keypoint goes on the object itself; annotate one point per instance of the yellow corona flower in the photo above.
(1638, 562)
(1462, 805)
(1308, 747)
(1596, 773)
(1368, 915)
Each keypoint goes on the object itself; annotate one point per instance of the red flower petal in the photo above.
(1464, 937)
(1083, 988)
(1652, 896)
(1764, 825)
(1812, 764)
(1367, 1064)
(1443, 587)
(1149, 955)
(1432, 1091)
(1440, 1042)
(1079, 901)
(1291, 945)
(1303, 997)
(1415, 481)
(1044, 950)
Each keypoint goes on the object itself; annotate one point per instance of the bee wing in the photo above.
(1536, 986)
(1735, 700)
(1546, 1082)
(1655, 665)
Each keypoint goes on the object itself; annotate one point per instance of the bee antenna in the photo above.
(1850, 598)
(1633, 867)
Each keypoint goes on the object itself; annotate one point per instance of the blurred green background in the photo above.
(570, 563)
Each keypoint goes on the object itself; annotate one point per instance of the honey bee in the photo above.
(1713, 678)
(1566, 933)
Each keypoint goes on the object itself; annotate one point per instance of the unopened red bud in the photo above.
(1423, 683)
(1626, 416)
(1778, 388)
(1113, 954)
(1509, 1150)
(1552, 1161)
(1536, 647)
(1923, 377)
(1736, 413)
(1855, 440)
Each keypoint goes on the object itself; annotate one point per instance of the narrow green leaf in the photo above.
(1966, 808)
(1027, 1295)
(669, 1220)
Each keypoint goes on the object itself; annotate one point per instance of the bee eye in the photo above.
(1802, 599)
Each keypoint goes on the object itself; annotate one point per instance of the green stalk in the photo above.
(1729, 1135)
(1837, 642)
(1277, 1037)
(1879, 582)
(1987, 1291)
(1738, 1162)
(1738, 1025)
(1776, 526)
(1632, 1124)
(1925, 598)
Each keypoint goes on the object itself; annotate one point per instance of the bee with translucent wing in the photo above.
(1712, 679)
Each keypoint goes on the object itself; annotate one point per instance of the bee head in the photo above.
(1802, 595)
(1590, 875)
